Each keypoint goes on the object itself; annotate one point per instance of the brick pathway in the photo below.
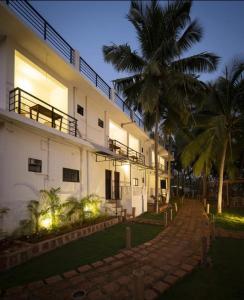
(164, 260)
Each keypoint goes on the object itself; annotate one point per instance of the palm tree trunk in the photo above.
(169, 177)
(178, 183)
(221, 177)
(156, 161)
(204, 184)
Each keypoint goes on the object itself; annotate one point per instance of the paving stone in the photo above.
(148, 280)
(84, 268)
(123, 280)
(170, 279)
(160, 286)
(99, 280)
(70, 274)
(179, 273)
(53, 279)
(150, 294)
(109, 259)
(110, 288)
(35, 284)
(15, 290)
(97, 264)
(119, 256)
(77, 279)
(96, 295)
(187, 267)
(122, 294)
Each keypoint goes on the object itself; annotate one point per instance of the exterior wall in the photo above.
(17, 144)
(17, 185)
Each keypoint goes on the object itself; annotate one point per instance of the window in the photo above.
(142, 150)
(100, 123)
(70, 175)
(34, 165)
(135, 181)
(80, 110)
(142, 180)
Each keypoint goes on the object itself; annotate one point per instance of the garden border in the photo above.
(9, 259)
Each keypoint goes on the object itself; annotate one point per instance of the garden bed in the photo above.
(22, 251)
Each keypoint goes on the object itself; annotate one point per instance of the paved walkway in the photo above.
(164, 260)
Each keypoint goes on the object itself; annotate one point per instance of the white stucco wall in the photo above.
(17, 184)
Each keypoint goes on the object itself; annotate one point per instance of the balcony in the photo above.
(29, 106)
(126, 152)
(162, 168)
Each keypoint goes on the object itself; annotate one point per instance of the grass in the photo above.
(224, 281)
(231, 219)
(83, 251)
(152, 216)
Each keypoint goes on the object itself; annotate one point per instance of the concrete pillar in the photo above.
(176, 207)
(138, 284)
(106, 129)
(208, 208)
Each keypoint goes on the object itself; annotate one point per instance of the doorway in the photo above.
(116, 185)
(108, 184)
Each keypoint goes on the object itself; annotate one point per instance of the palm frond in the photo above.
(190, 36)
(203, 62)
(123, 58)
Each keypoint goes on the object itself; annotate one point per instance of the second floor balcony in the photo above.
(126, 152)
(29, 106)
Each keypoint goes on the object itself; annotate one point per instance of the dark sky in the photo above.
(88, 25)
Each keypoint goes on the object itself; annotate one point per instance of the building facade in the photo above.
(62, 126)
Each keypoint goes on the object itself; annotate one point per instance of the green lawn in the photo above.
(224, 281)
(83, 251)
(231, 218)
(152, 216)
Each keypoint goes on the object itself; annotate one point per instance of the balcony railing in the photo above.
(161, 167)
(126, 152)
(30, 15)
(34, 108)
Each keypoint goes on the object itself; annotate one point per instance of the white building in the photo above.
(61, 125)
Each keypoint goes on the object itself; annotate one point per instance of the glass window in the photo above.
(71, 175)
(34, 165)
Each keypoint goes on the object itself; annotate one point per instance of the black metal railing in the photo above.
(29, 14)
(161, 167)
(34, 108)
(126, 152)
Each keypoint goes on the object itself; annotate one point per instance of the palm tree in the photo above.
(82, 208)
(35, 212)
(53, 202)
(158, 75)
(220, 126)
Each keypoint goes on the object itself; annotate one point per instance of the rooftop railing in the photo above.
(31, 16)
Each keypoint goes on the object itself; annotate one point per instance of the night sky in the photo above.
(88, 25)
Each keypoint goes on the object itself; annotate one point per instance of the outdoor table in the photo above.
(39, 109)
